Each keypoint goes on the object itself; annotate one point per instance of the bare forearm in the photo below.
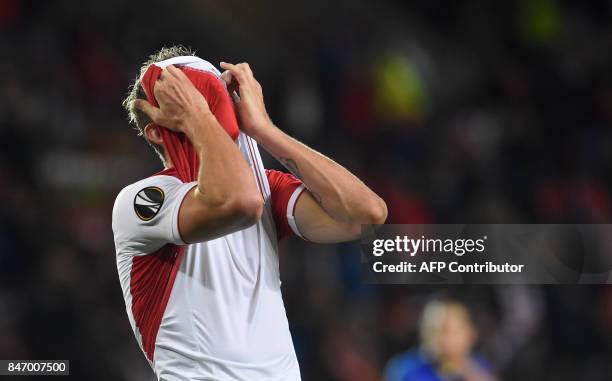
(223, 172)
(341, 194)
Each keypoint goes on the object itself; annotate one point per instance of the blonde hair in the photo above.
(433, 317)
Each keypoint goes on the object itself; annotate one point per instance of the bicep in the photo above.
(317, 226)
(202, 219)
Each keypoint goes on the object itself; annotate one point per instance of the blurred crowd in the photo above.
(453, 111)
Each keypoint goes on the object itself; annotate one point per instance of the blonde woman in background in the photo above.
(447, 336)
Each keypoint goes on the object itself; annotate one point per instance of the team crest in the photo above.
(148, 202)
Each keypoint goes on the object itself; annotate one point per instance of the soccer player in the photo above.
(198, 261)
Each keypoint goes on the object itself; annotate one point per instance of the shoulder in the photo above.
(167, 177)
(145, 214)
(160, 180)
(152, 189)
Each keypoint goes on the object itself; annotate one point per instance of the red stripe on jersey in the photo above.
(151, 281)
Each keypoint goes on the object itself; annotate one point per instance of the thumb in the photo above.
(226, 76)
(230, 81)
(151, 111)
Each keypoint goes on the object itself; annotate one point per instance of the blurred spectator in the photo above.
(445, 353)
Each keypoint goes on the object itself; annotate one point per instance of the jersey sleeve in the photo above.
(285, 191)
(145, 214)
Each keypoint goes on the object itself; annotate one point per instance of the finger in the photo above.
(231, 84)
(226, 76)
(231, 68)
(259, 88)
(244, 66)
(236, 72)
(180, 76)
(166, 74)
(226, 65)
(151, 111)
(175, 72)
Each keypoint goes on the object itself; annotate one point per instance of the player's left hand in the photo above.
(252, 113)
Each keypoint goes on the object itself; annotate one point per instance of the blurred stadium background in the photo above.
(454, 111)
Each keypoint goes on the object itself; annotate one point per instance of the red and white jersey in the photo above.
(216, 313)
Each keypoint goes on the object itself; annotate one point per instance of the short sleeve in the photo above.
(285, 191)
(145, 214)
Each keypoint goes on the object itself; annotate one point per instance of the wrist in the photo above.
(195, 123)
(263, 132)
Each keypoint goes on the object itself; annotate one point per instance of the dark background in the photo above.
(453, 111)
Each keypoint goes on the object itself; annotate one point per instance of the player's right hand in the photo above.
(181, 106)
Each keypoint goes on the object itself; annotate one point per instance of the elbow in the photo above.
(376, 212)
(247, 209)
(372, 213)
(215, 214)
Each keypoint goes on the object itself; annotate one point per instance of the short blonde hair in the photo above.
(432, 319)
